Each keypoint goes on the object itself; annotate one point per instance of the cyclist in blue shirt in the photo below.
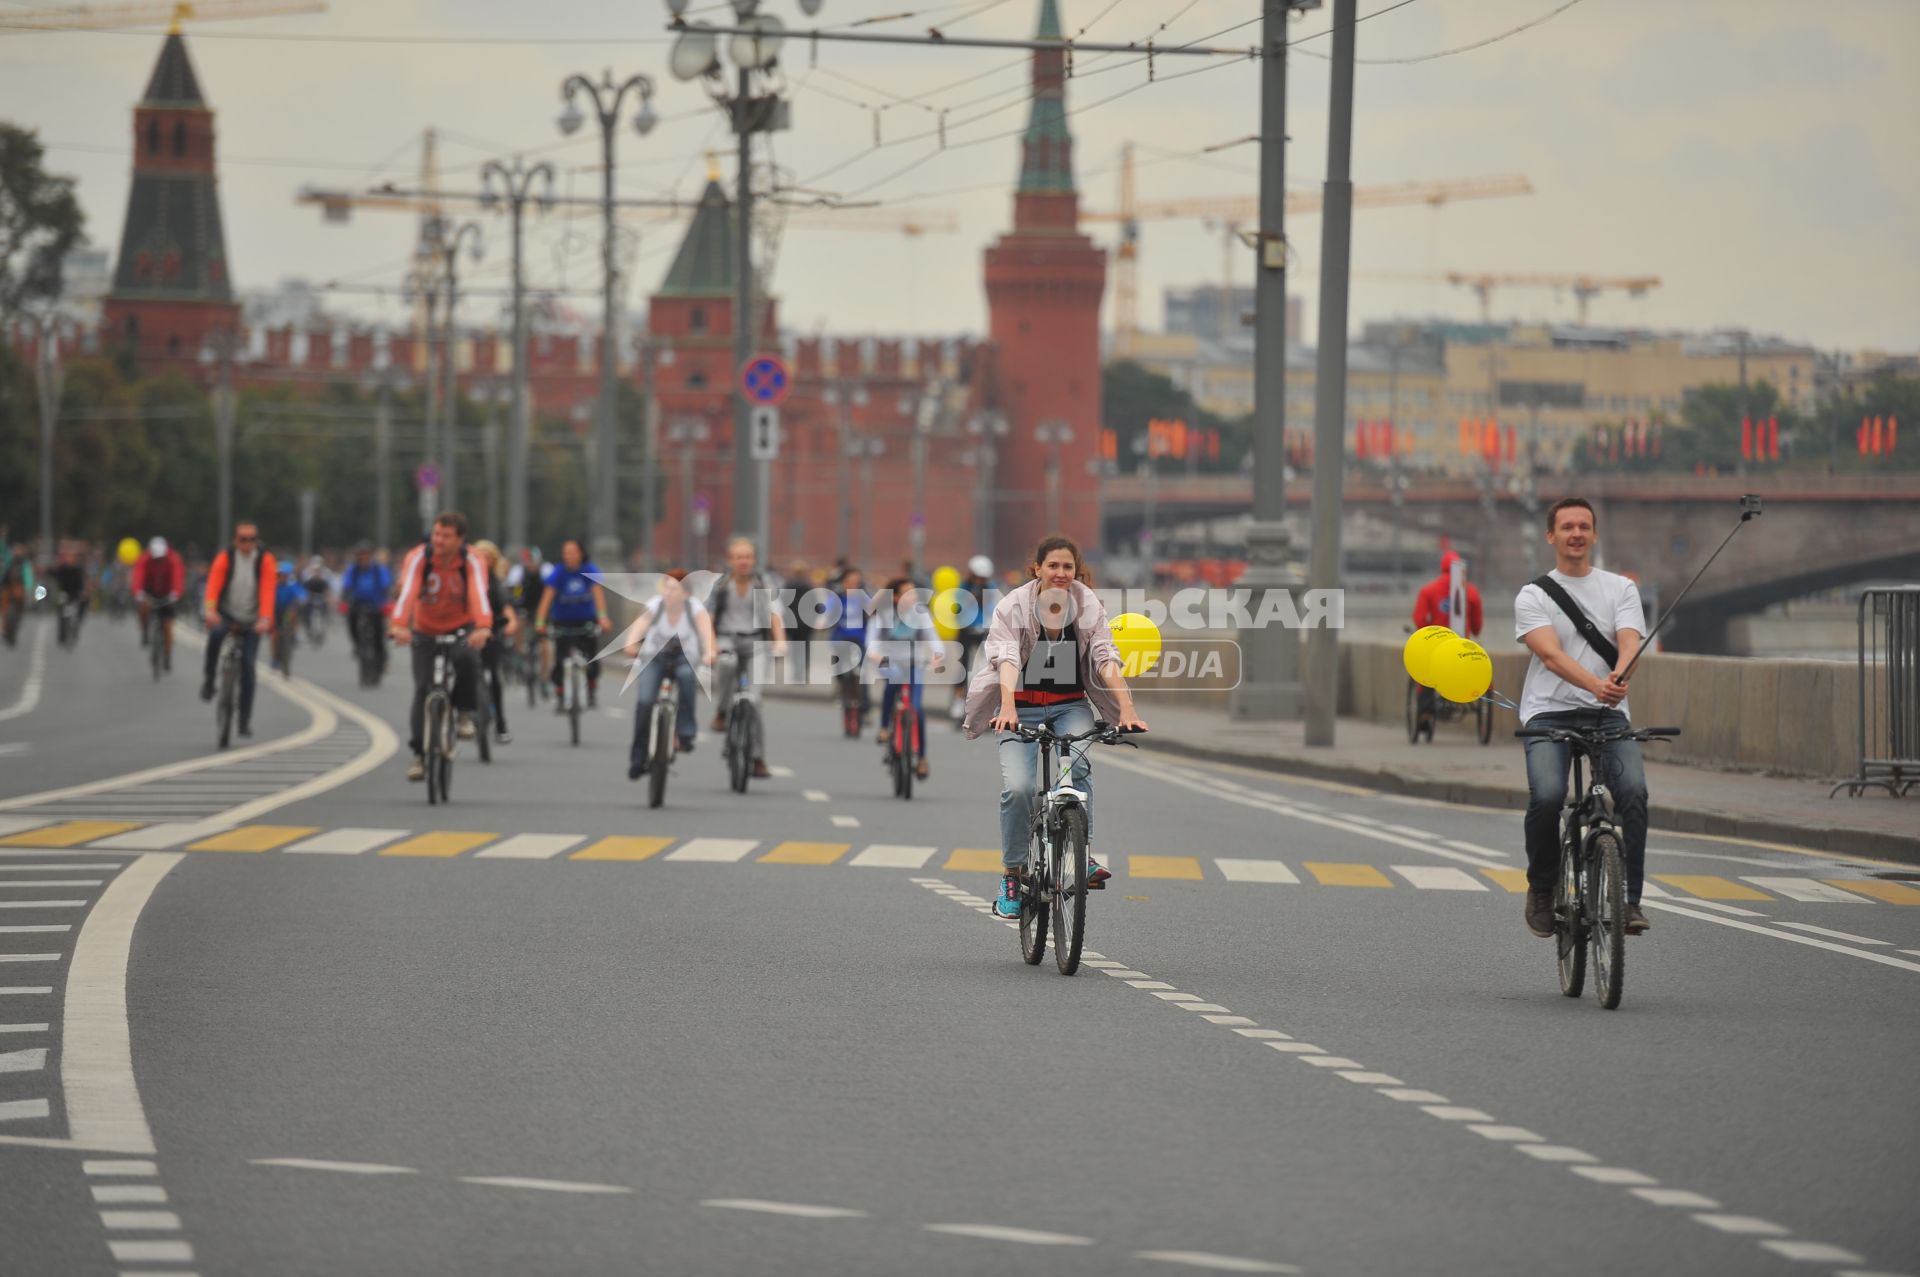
(288, 598)
(365, 587)
(851, 628)
(575, 600)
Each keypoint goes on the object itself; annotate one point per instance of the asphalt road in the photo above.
(591, 1038)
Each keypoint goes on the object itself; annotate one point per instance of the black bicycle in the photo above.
(227, 683)
(1590, 900)
(1053, 883)
(440, 732)
(664, 734)
(369, 645)
(573, 685)
(743, 719)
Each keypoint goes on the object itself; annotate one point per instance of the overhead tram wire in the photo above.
(1437, 54)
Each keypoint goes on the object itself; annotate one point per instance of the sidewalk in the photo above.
(1456, 768)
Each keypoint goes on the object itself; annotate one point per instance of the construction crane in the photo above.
(1583, 287)
(100, 17)
(1230, 212)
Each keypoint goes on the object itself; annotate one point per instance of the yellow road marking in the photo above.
(1187, 867)
(1333, 874)
(70, 833)
(254, 838)
(805, 853)
(622, 847)
(975, 860)
(440, 844)
(1711, 887)
(1514, 880)
(1892, 892)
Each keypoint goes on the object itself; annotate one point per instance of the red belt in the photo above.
(1047, 698)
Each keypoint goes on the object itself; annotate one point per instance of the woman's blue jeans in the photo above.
(1020, 773)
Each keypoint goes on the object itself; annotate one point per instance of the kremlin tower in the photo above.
(1044, 279)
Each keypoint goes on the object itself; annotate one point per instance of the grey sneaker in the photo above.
(417, 769)
(1637, 923)
(1539, 912)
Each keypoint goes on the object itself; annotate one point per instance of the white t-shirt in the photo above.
(661, 631)
(1611, 602)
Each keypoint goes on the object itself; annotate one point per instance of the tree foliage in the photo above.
(1133, 395)
(40, 222)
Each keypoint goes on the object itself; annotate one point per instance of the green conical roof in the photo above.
(704, 265)
(1046, 151)
(173, 82)
(1049, 22)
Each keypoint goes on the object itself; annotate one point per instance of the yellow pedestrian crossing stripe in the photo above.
(1249, 874)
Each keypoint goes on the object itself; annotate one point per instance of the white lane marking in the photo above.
(347, 842)
(105, 1193)
(783, 773)
(1412, 1095)
(1254, 870)
(713, 850)
(1216, 1263)
(20, 1110)
(1226, 1019)
(1173, 995)
(1507, 1134)
(164, 836)
(1555, 1153)
(42, 1027)
(36, 674)
(1456, 1113)
(543, 1185)
(36, 927)
(53, 882)
(1202, 1006)
(1675, 1197)
(1810, 889)
(815, 795)
(30, 1060)
(1330, 1062)
(892, 856)
(1719, 906)
(1367, 1078)
(151, 1221)
(795, 1209)
(68, 867)
(15, 747)
(1263, 1033)
(1882, 958)
(42, 904)
(131, 1166)
(153, 1252)
(845, 822)
(1000, 1233)
(1809, 928)
(1439, 878)
(24, 990)
(530, 847)
(29, 957)
(1151, 984)
(1612, 1175)
(1745, 1225)
(1124, 973)
(1813, 1252)
(344, 1168)
(20, 824)
(1475, 849)
(1297, 1048)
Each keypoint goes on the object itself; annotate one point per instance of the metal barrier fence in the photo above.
(1889, 677)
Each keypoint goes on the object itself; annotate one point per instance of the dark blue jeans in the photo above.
(1619, 768)
(249, 650)
(646, 690)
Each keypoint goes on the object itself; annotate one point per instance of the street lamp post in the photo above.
(1054, 435)
(606, 97)
(50, 379)
(684, 434)
(989, 428)
(516, 186)
(448, 243)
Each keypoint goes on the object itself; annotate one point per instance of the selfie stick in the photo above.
(1749, 508)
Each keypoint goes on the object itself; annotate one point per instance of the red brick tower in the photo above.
(1044, 280)
(170, 286)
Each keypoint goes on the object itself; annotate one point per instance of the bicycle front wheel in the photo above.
(1607, 892)
(1033, 907)
(1569, 923)
(1070, 892)
(662, 756)
(435, 748)
(223, 711)
(739, 746)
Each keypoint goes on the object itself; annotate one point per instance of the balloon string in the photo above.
(1501, 701)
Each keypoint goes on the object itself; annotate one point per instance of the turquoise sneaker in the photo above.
(1097, 874)
(1008, 903)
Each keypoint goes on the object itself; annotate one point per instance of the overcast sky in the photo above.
(1757, 155)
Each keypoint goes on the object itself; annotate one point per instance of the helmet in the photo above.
(286, 570)
(157, 547)
(980, 565)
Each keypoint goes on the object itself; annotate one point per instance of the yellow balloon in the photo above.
(1462, 671)
(1417, 656)
(1139, 642)
(945, 579)
(949, 609)
(128, 550)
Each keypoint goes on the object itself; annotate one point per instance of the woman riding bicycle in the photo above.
(895, 645)
(673, 628)
(1050, 661)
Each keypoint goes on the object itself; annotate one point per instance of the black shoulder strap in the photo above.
(1581, 621)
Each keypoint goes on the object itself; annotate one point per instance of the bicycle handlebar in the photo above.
(1597, 736)
(441, 640)
(1099, 734)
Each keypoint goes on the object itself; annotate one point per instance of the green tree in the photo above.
(1132, 396)
(40, 222)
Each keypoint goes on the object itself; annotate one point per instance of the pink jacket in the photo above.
(1015, 629)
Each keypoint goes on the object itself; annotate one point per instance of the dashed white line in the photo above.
(845, 822)
(815, 795)
(1679, 1197)
(36, 927)
(114, 1193)
(152, 1252)
(1000, 1233)
(31, 1060)
(1810, 929)
(1612, 1175)
(24, 1028)
(19, 1110)
(1746, 1225)
(1555, 1153)
(796, 1209)
(345, 1168)
(24, 990)
(1507, 1134)
(29, 957)
(151, 1221)
(1812, 1252)
(1216, 1263)
(543, 1185)
(1811, 941)
(1456, 1113)
(120, 1166)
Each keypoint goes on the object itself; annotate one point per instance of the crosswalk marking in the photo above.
(1333, 874)
(31, 1060)
(1806, 889)
(714, 850)
(19, 1110)
(1255, 871)
(1711, 887)
(347, 842)
(893, 856)
(1513, 881)
(622, 847)
(1891, 892)
(805, 853)
(68, 833)
(1186, 868)
(440, 844)
(1439, 878)
(531, 846)
(974, 860)
(14, 824)
(159, 837)
(255, 838)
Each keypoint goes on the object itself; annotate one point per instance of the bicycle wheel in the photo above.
(224, 704)
(483, 721)
(1033, 907)
(1070, 892)
(1607, 891)
(1570, 924)
(1413, 712)
(574, 697)
(903, 749)
(155, 643)
(662, 754)
(435, 745)
(1483, 720)
(739, 745)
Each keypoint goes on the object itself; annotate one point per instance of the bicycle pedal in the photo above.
(1097, 886)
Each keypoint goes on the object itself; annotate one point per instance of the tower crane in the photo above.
(1230, 212)
(1583, 287)
(99, 17)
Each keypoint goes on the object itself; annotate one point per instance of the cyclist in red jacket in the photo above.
(159, 579)
(1434, 605)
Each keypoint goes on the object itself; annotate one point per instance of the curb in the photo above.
(1726, 824)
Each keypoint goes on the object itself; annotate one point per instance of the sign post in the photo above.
(765, 381)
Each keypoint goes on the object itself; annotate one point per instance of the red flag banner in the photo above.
(1746, 438)
(1773, 438)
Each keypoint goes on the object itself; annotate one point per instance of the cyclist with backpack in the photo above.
(744, 617)
(443, 588)
(1582, 625)
(672, 633)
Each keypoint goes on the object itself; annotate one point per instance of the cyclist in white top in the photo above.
(674, 629)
